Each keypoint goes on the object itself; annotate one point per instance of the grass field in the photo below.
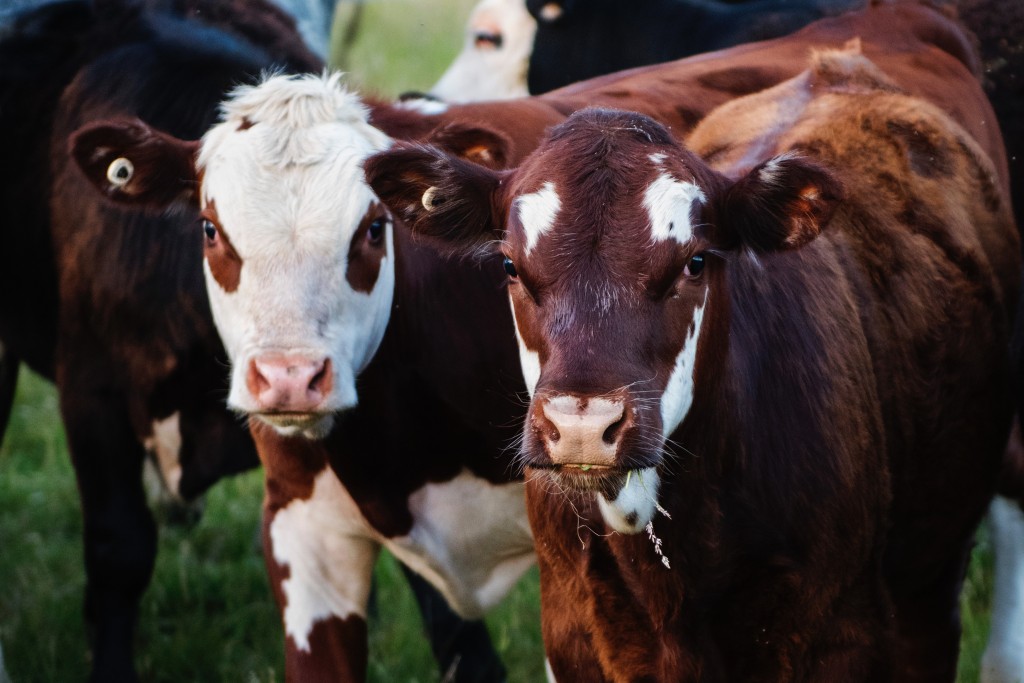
(208, 615)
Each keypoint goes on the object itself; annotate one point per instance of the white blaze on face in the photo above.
(529, 360)
(678, 395)
(327, 548)
(1003, 661)
(537, 212)
(635, 504)
(489, 70)
(669, 203)
(284, 173)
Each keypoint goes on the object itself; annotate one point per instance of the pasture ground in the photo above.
(208, 614)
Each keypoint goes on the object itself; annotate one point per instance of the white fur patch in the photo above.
(678, 395)
(165, 445)
(487, 73)
(537, 212)
(1003, 661)
(326, 545)
(548, 671)
(669, 203)
(471, 539)
(423, 105)
(636, 503)
(284, 170)
(529, 360)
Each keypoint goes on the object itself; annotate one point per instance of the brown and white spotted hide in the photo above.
(818, 420)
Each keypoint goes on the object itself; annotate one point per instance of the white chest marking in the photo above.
(537, 213)
(470, 538)
(328, 549)
(669, 203)
(678, 395)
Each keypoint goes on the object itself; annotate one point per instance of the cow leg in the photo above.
(120, 536)
(1003, 661)
(320, 563)
(8, 383)
(463, 649)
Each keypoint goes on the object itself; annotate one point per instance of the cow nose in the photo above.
(291, 384)
(582, 431)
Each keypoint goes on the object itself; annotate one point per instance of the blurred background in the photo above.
(208, 614)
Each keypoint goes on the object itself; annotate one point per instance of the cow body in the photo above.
(747, 460)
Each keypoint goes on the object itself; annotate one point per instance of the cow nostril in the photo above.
(614, 431)
(321, 380)
(258, 383)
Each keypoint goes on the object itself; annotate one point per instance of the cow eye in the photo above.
(210, 229)
(510, 267)
(376, 230)
(695, 265)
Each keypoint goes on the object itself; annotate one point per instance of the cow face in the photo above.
(615, 241)
(495, 55)
(300, 274)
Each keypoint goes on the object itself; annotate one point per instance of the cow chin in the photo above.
(631, 508)
(627, 499)
(307, 425)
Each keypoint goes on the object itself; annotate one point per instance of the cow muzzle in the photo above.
(581, 434)
(290, 388)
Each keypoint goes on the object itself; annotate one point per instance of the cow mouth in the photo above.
(290, 423)
(585, 477)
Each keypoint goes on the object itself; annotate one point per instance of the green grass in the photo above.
(208, 614)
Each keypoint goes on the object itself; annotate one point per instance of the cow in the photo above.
(899, 37)
(495, 54)
(768, 373)
(109, 302)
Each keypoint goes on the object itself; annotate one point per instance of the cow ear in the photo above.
(482, 146)
(436, 194)
(131, 163)
(783, 203)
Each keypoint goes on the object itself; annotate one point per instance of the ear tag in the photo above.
(120, 172)
(430, 200)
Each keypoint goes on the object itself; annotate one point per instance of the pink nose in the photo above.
(581, 431)
(289, 384)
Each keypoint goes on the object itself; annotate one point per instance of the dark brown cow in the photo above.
(752, 454)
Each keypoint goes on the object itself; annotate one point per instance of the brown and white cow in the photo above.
(382, 415)
(768, 374)
(435, 397)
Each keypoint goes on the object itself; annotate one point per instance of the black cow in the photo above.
(580, 39)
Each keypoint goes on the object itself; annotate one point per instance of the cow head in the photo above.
(616, 240)
(494, 57)
(300, 273)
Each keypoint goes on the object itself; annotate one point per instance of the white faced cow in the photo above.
(494, 57)
(378, 423)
